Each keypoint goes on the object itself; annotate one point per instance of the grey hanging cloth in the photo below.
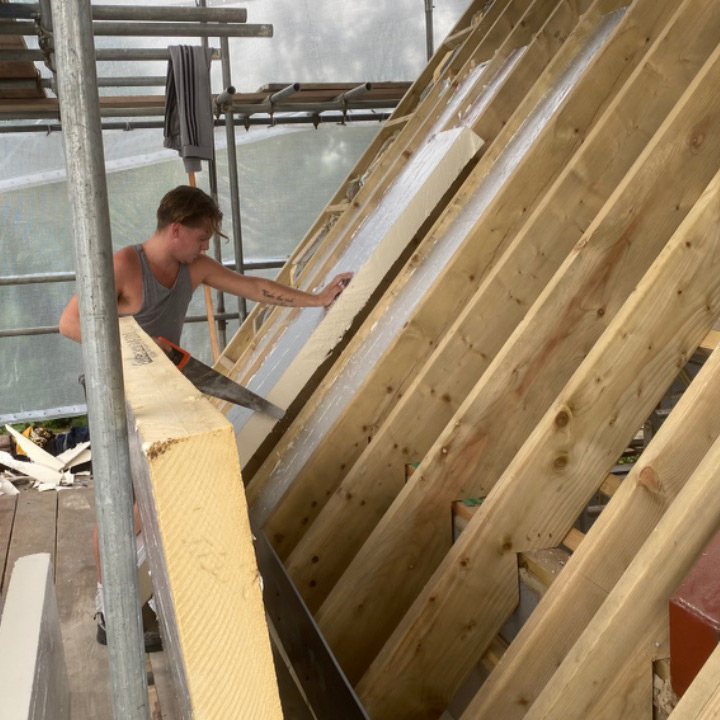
(188, 107)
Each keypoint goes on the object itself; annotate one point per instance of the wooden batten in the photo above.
(494, 311)
(197, 536)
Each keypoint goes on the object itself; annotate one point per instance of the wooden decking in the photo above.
(61, 523)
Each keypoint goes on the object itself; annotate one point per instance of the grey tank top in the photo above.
(163, 309)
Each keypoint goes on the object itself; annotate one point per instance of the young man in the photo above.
(155, 282)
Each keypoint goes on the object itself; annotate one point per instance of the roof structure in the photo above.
(535, 240)
(508, 336)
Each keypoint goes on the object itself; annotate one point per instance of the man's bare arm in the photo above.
(259, 289)
(70, 320)
(125, 265)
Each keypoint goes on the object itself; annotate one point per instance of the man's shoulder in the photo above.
(126, 258)
(200, 267)
(127, 266)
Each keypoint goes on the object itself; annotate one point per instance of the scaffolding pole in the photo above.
(150, 29)
(429, 43)
(243, 121)
(148, 13)
(233, 175)
(220, 325)
(108, 55)
(87, 190)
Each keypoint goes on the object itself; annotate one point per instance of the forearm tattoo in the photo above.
(278, 299)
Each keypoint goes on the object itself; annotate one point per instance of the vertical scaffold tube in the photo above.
(87, 190)
(233, 176)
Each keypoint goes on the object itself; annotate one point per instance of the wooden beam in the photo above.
(629, 693)
(33, 676)
(417, 297)
(490, 316)
(610, 485)
(504, 407)
(573, 539)
(478, 16)
(628, 620)
(612, 542)
(486, 40)
(702, 699)
(198, 541)
(575, 443)
(711, 341)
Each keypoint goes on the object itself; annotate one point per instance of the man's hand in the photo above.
(334, 288)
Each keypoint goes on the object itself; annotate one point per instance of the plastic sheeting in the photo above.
(286, 174)
(278, 204)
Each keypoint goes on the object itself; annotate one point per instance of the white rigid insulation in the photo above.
(361, 363)
(450, 116)
(409, 200)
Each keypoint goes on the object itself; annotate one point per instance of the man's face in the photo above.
(190, 242)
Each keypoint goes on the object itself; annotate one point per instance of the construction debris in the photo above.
(48, 472)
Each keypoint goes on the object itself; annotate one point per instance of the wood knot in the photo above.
(649, 480)
(561, 461)
(697, 140)
(562, 418)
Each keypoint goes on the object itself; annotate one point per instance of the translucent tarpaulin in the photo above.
(286, 174)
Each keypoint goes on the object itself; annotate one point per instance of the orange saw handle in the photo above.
(177, 355)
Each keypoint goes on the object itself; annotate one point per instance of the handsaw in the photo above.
(211, 382)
